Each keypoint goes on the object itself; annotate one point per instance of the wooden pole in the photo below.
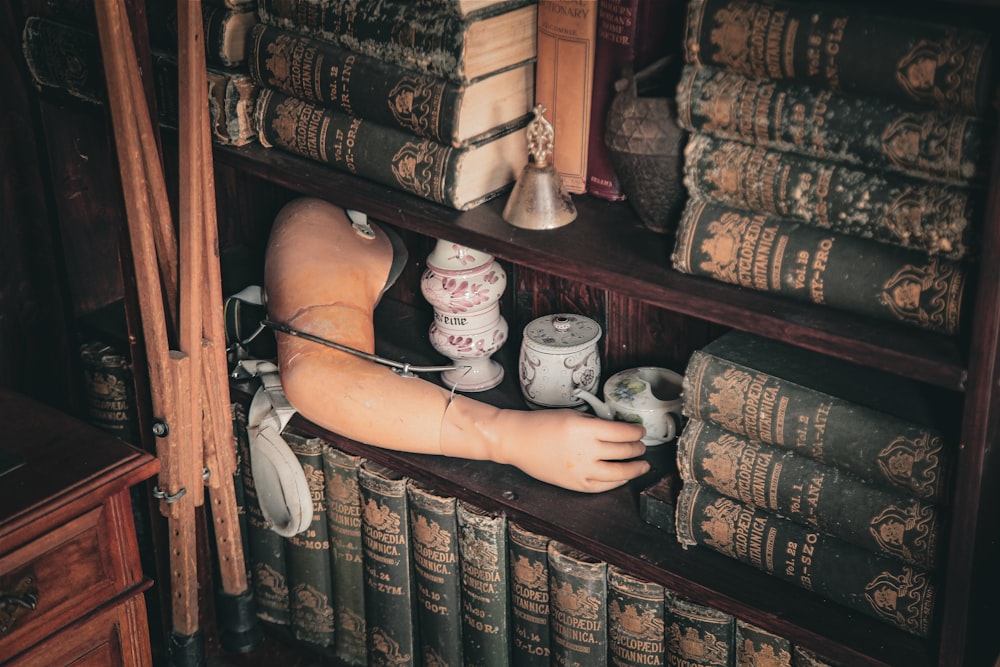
(168, 370)
(198, 203)
(188, 386)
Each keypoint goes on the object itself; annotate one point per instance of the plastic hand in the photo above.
(562, 447)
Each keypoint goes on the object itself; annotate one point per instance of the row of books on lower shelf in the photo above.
(391, 572)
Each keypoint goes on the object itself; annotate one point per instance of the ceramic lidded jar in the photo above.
(558, 356)
(464, 286)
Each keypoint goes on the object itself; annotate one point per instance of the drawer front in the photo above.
(70, 571)
(116, 635)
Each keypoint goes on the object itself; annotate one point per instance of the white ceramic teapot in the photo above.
(646, 395)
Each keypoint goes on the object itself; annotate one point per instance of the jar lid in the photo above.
(448, 256)
(562, 332)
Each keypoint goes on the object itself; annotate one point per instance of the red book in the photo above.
(629, 33)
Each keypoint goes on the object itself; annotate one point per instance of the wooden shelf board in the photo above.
(608, 248)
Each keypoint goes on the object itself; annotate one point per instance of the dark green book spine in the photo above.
(697, 635)
(578, 607)
(383, 154)
(529, 596)
(844, 48)
(434, 533)
(266, 548)
(809, 492)
(310, 581)
(390, 604)
(109, 391)
(926, 143)
(896, 594)
(635, 620)
(63, 58)
(757, 646)
(322, 73)
(402, 33)
(482, 546)
(936, 218)
(734, 383)
(658, 502)
(784, 256)
(343, 519)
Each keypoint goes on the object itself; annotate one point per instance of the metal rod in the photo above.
(405, 367)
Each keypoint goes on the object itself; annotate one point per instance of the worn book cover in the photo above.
(386, 550)
(578, 607)
(437, 42)
(232, 96)
(879, 426)
(926, 143)
(805, 490)
(788, 257)
(929, 216)
(343, 519)
(564, 83)
(109, 391)
(225, 30)
(757, 646)
(435, 534)
(320, 72)
(310, 581)
(635, 620)
(697, 635)
(846, 48)
(460, 178)
(482, 545)
(63, 58)
(899, 595)
(529, 596)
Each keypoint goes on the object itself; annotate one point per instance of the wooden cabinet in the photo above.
(70, 575)
(607, 266)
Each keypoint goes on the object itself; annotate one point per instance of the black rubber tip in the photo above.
(239, 631)
(187, 650)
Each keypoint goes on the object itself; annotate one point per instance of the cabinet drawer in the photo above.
(71, 570)
(115, 635)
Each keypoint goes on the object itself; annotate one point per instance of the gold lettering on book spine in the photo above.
(905, 600)
(944, 72)
(763, 655)
(928, 295)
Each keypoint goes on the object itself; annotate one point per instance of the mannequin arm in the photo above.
(323, 278)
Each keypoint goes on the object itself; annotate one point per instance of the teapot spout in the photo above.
(601, 409)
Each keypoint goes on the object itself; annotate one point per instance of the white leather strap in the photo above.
(282, 489)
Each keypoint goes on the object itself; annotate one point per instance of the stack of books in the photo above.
(64, 57)
(232, 94)
(430, 98)
(835, 157)
(832, 477)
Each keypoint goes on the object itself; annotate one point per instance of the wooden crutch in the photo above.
(186, 384)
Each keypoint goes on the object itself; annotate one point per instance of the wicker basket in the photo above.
(646, 145)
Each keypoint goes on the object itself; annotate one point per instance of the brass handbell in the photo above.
(539, 200)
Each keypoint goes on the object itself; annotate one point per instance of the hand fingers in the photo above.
(611, 474)
(616, 431)
(619, 451)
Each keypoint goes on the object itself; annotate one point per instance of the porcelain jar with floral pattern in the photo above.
(559, 355)
(464, 286)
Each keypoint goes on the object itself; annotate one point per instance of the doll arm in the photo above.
(323, 278)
